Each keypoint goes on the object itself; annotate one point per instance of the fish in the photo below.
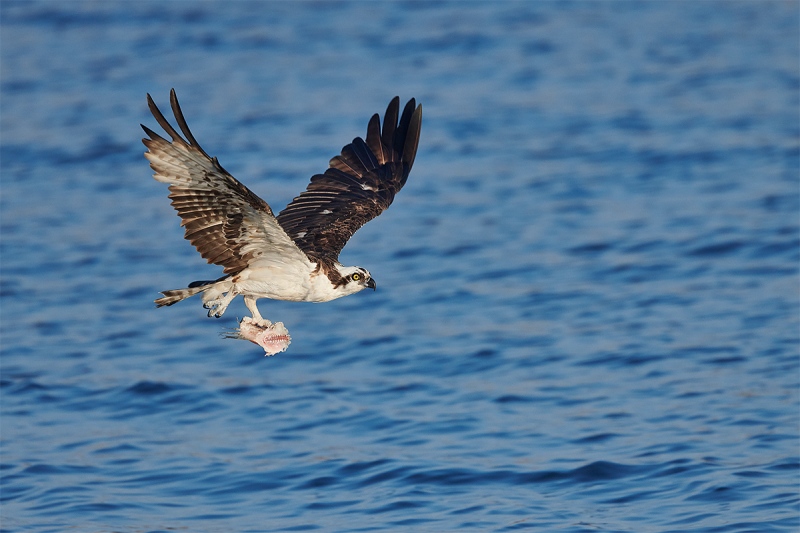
(273, 338)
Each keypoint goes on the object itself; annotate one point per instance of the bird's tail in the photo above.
(176, 295)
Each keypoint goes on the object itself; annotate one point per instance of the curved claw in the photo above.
(217, 307)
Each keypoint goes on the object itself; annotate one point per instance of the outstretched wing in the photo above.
(358, 186)
(227, 223)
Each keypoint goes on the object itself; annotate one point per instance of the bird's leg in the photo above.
(250, 302)
(217, 307)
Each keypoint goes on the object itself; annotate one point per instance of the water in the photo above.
(587, 314)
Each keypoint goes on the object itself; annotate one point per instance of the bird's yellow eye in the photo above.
(356, 276)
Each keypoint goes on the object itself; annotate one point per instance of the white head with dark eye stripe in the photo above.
(355, 279)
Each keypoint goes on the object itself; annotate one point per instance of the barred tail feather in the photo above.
(176, 295)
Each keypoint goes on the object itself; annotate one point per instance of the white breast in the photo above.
(297, 282)
(278, 282)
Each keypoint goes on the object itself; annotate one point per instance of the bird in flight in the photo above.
(293, 256)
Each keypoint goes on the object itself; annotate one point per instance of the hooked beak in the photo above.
(371, 284)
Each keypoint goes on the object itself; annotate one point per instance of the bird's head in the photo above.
(355, 279)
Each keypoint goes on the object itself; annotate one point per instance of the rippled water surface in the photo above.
(587, 305)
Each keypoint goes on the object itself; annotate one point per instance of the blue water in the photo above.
(587, 316)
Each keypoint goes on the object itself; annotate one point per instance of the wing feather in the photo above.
(226, 222)
(365, 156)
(374, 138)
(390, 124)
(360, 184)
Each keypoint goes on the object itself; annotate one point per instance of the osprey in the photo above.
(294, 256)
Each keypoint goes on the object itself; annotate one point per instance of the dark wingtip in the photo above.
(406, 138)
(390, 124)
(374, 138)
(163, 121)
(176, 110)
(150, 133)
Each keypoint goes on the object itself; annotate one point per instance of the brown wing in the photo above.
(227, 223)
(358, 186)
